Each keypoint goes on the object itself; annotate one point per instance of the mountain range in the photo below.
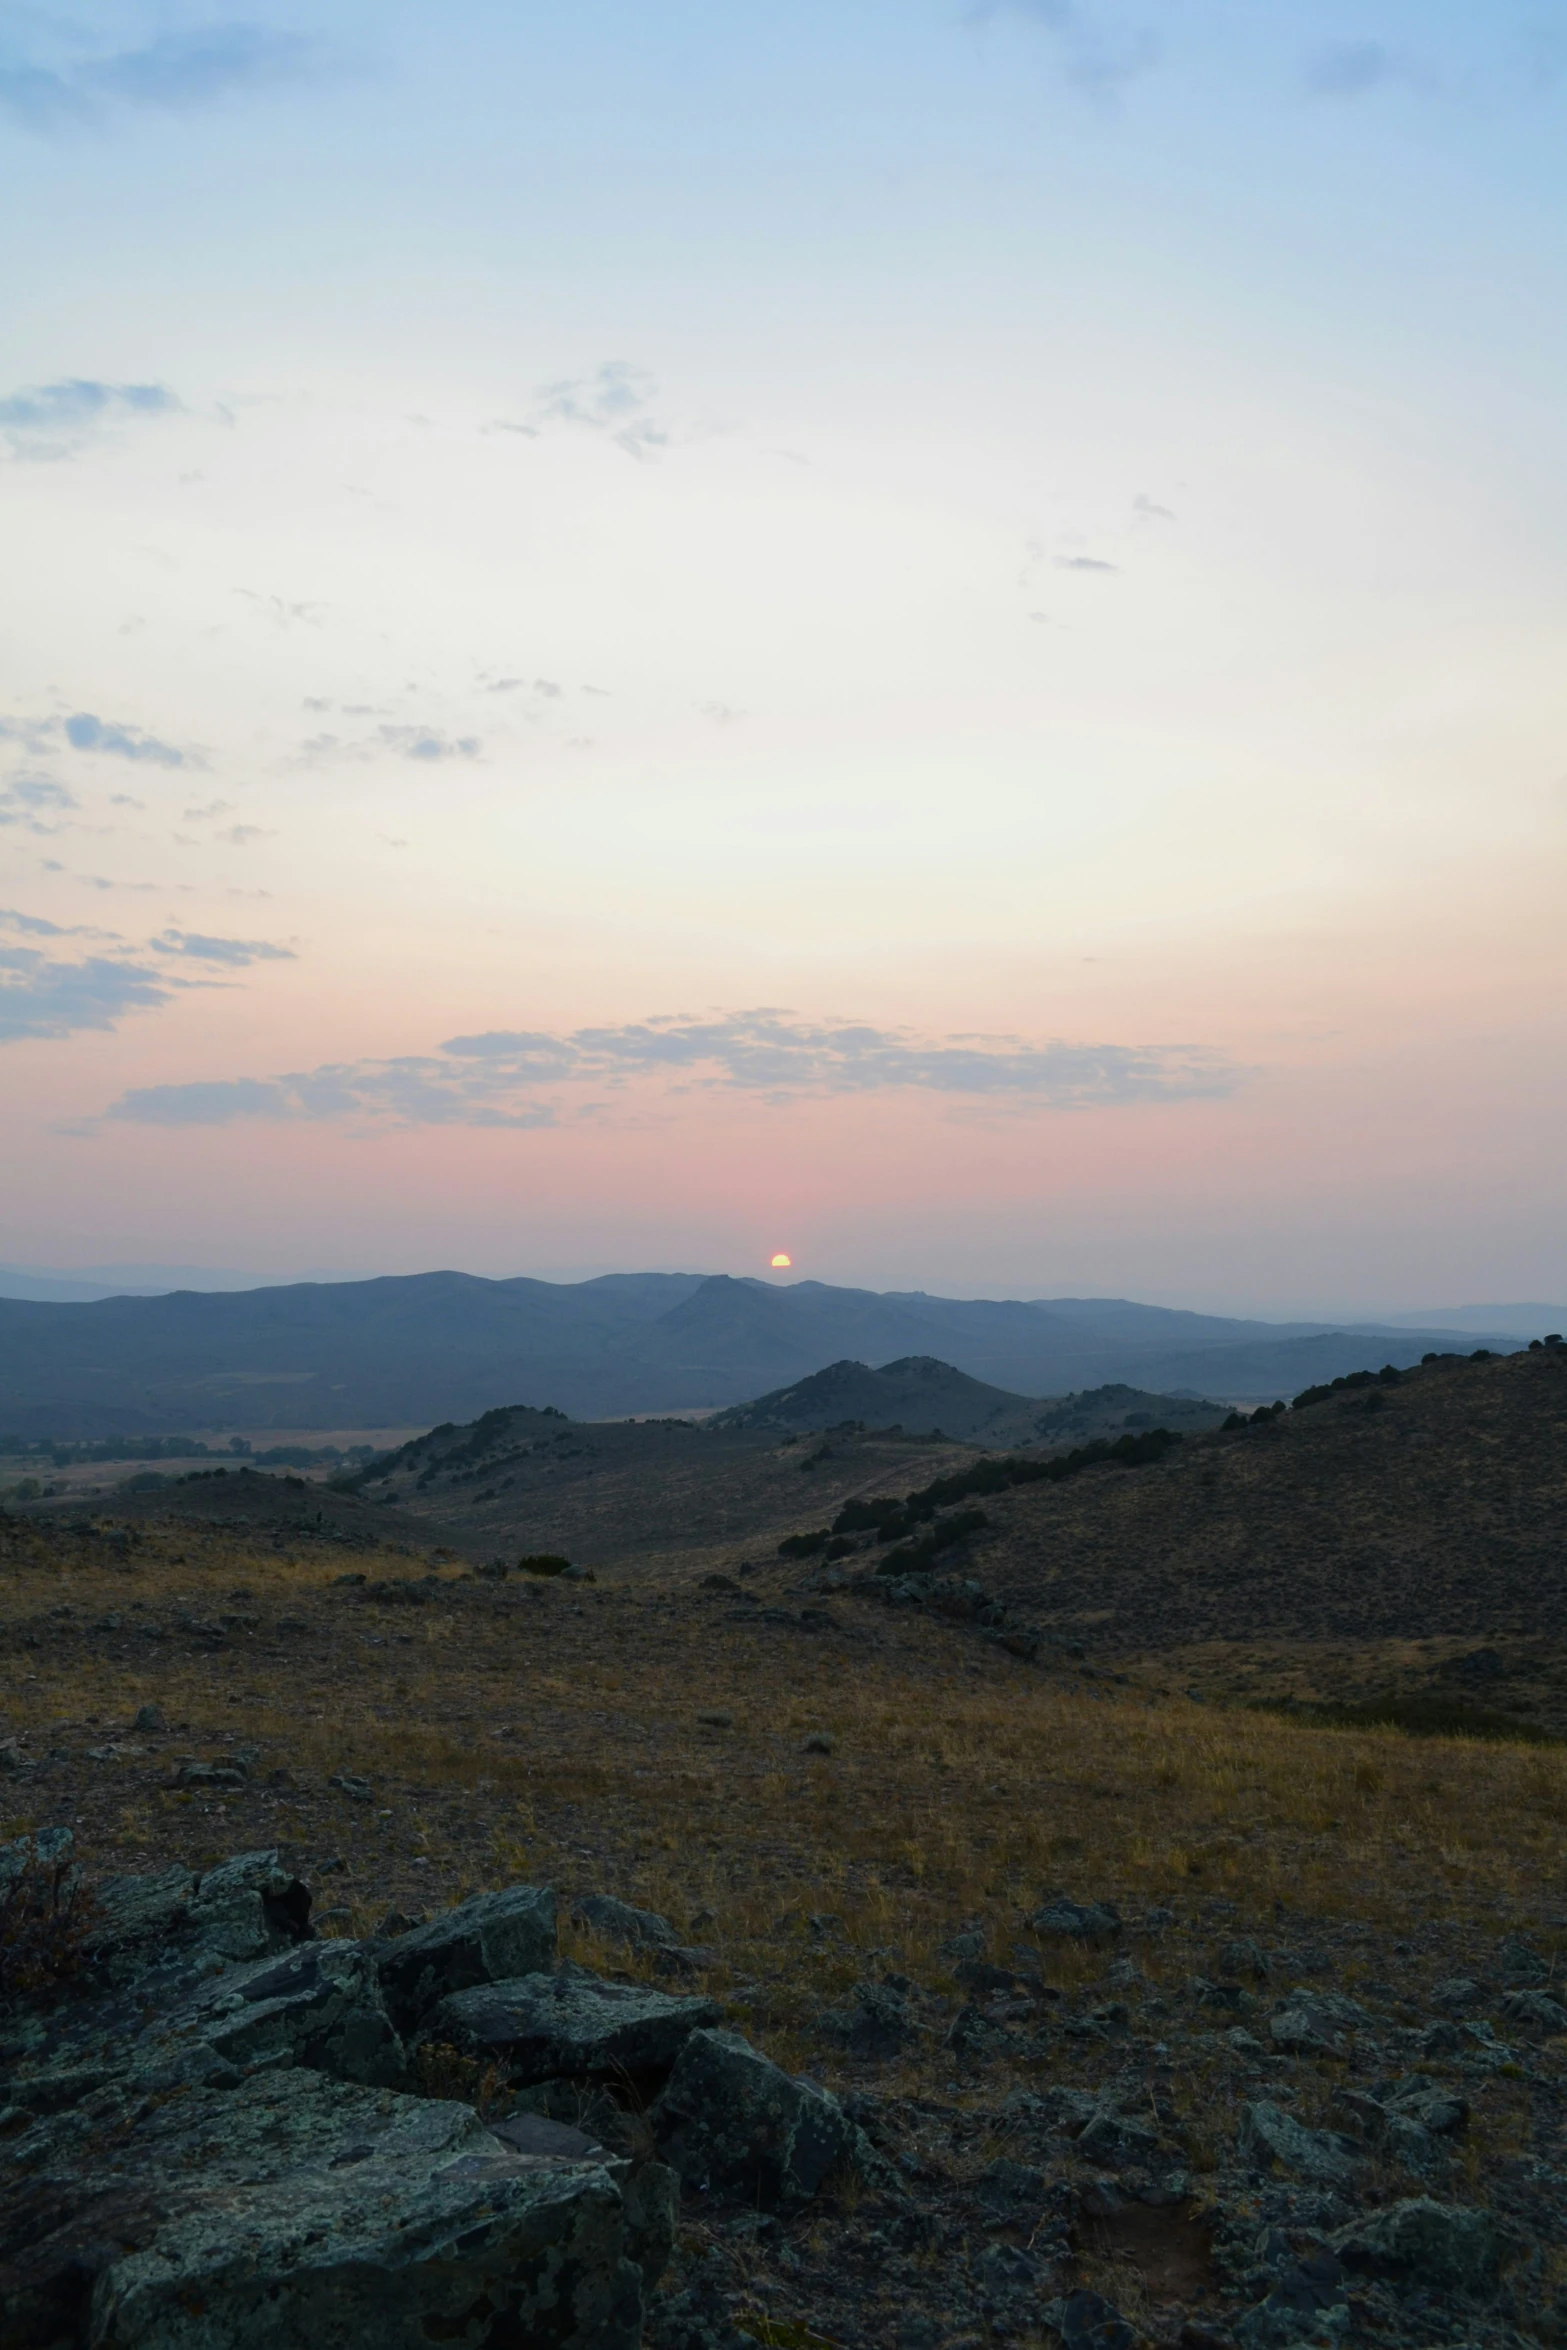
(412, 1350)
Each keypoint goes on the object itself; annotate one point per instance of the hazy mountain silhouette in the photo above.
(417, 1349)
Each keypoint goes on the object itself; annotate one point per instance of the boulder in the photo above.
(1112, 2141)
(493, 1938)
(1088, 2322)
(1307, 2305)
(49, 1848)
(244, 1909)
(1441, 2111)
(1535, 2011)
(320, 2006)
(640, 1929)
(877, 2024)
(294, 2210)
(1314, 2023)
(250, 1905)
(731, 2120)
(1451, 2247)
(569, 2025)
(179, 2027)
(1076, 1921)
(1270, 2138)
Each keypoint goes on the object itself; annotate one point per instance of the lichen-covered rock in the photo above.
(643, 1930)
(320, 2006)
(1306, 2309)
(651, 2193)
(569, 2025)
(1314, 2023)
(249, 1906)
(1269, 2137)
(179, 2028)
(1076, 1921)
(294, 2210)
(877, 2024)
(730, 2119)
(1451, 2247)
(1535, 2011)
(1112, 2140)
(493, 1938)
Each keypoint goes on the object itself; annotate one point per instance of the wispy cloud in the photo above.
(495, 1079)
(50, 421)
(176, 73)
(616, 399)
(1084, 563)
(85, 732)
(43, 996)
(235, 952)
(47, 992)
(36, 802)
(427, 744)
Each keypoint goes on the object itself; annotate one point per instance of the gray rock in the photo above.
(1535, 2011)
(1519, 1962)
(1112, 2141)
(297, 2210)
(618, 1921)
(1004, 2184)
(149, 1717)
(246, 1908)
(209, 1774)
(1076, 1921)
(490, 1939)
(1314, 2023)
(1269, 2137)
(731, 2120)
(1441, 2111)
(251, 1904)
(1451, 2247)
(1089, 2322)
(878, 2024)
(570, 2025)
(320, 2006)
(651, 2193)
(1007, 2274)
(1307, 2305)
(48, 1848)
(1243, 1956)
(640, 1929)
(1457, 1995)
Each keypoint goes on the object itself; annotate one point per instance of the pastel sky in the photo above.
(929, 634)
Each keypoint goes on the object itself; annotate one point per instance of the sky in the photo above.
(926, 635)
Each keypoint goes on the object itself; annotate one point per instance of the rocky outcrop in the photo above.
(731, 2119)
(210, 2141)
(296, 2209)
(570, 2025)
(490, 1939)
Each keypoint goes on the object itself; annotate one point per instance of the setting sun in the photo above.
(781, 1262)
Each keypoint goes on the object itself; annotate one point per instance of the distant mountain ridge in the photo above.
(415, 1349)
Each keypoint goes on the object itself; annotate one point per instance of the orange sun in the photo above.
(782, 1262)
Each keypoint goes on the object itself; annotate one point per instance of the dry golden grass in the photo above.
(961, 1786)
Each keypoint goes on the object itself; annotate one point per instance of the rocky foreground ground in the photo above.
(220, 2129)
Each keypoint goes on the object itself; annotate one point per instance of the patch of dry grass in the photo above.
(962, 1785)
